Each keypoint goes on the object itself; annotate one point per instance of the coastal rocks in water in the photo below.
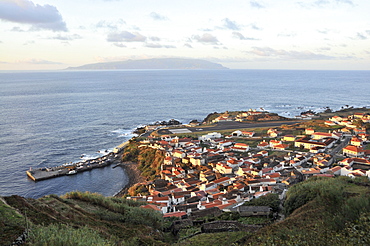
(139, 130)
(171, 122)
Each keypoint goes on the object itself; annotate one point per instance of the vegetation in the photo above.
(11, 224)
(319, 211)
(149, 160)
(322, 211)
(211, 239)
(80, 219)
(270, 200)
(63, 235)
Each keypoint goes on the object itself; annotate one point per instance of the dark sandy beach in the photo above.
(134, 176)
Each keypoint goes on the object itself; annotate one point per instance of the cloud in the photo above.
(105, 24)
(188, 46)
(155, 39)
(218, 48)
(38, 16)
(159, 46)
(324, 31)
(158, 17)
(287, 34)
(39, 61)
(325, 3)
(255, 4)
(121, 45)
(240, 36)
(325, 48)
(288, 54)
(255, 27)
(66, 37)
(232, 25)
(125, 36)
(208, 29)
(109, 24)
(345, 2)
(206, 38)
(29, 42)
(360, 36)
(17, 29)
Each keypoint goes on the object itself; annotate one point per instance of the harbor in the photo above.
(77, 167)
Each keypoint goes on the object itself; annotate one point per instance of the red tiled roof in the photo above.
(175, 214)
(151, 206)
(353, 148)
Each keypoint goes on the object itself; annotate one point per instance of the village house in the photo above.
(240, 147)
(356, 141)
(280, 146)
(263, 145)
(210, 136)
(288, 138)
(274, 142)
(223, 168)
(178, 153)
(337, 119)
(273, 133)
(353, 151)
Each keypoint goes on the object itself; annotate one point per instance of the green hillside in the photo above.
(322, 211)
(79, 219)
(319, 211)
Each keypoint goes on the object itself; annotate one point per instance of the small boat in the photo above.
(71, 172)
(119, 164)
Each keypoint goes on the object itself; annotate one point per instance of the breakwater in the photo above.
(76, 167)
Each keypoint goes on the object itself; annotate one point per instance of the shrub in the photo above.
(63, 235)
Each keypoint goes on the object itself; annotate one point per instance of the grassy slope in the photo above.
(106, 221)
(323, 219)
(330, 211)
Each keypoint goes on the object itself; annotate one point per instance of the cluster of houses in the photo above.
(219, 173)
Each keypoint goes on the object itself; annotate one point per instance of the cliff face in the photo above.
(149, 160)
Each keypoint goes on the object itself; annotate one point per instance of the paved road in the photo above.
(340, 146)
(231, 125)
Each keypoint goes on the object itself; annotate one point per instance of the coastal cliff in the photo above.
(141, 164)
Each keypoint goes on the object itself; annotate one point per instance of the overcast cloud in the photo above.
(38, 16)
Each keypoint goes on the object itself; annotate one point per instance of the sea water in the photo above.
(51, 118)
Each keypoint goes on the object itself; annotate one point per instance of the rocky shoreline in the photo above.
(134, 177)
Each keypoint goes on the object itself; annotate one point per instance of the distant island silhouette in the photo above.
(155, 63)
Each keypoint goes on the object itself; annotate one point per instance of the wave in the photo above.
(123, 133)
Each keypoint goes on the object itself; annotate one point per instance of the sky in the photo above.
(239, 34)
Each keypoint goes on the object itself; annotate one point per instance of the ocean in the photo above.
(50, 118)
